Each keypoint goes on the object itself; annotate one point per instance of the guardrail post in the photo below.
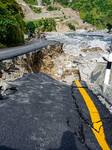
(108, 70)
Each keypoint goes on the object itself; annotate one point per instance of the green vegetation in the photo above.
(31, 27)
(46, 2)
(65, 3)
(31, 2)
(11, 23)
(57, 17)
(72, 27)
(76, 22)
(42, 25)
(50, 8)
(14, 36)
(62, 12)
(109, 27)
(35, 9)
(96, 12)
(47, 25)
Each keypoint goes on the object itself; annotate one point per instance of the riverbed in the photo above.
(85, 58)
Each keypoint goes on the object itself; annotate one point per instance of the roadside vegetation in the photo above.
(12, 26)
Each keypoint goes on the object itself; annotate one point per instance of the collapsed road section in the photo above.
(39, 113)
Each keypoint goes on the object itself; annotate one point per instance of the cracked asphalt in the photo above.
(39, 113)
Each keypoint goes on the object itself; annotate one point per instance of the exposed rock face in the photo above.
(60, 67)
(62, 27)
(32, 62)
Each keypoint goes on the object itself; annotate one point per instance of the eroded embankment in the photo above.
(29, 63)
(50, 60)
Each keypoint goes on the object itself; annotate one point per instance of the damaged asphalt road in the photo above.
(40, 113)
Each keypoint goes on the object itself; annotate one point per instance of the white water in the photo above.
(76, 42)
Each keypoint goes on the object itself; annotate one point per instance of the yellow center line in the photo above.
(95, 117)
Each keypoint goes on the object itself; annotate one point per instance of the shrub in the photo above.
(31, 2)
(109, 26)
(30, 26)
(72, 27)
(14, 36)
(50, 8)
(46, 2)
(35, 9)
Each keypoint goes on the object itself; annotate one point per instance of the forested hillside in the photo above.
(11, 23)
(96, 12)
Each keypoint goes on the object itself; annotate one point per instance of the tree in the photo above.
(31, 26)
(72, 27)
(109, 26)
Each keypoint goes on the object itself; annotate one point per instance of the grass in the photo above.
(76, 22)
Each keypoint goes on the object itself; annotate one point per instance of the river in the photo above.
(102, 36)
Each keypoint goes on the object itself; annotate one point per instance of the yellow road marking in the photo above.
(95, 117)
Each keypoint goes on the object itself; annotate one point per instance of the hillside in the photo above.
(56, 11)
(11, 23)
(96, 12)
